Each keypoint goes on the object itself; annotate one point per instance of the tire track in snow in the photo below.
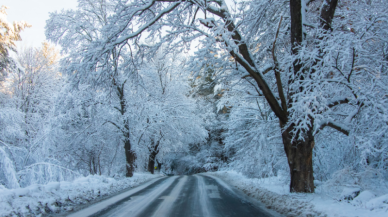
(165, 208)
(100, 206)
(135, 206)
(188, 204)
(203, 197)
(230, 203)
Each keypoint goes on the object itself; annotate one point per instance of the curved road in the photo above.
(181, 196)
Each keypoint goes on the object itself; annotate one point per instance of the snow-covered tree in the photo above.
(152, 111)
(172, 123)
(316, 64)
(9, 34)
(28, 96)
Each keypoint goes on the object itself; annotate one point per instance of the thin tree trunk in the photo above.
(130, 158)
(151, 163)
(152, 157)
(159, 165)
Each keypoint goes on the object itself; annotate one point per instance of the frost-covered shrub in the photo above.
(8, 176)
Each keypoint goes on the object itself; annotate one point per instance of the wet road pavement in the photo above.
(183, 196)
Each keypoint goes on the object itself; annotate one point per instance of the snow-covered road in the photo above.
(187, 196)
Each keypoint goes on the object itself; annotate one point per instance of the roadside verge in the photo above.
(274, 193)
(58, 197)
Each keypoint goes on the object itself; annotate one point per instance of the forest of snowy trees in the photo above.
(265, 87)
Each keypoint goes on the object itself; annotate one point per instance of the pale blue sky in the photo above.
(35, 12)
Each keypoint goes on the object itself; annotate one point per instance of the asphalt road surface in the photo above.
(181, 196)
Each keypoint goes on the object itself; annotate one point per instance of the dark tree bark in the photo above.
(296, 24)
(327, 13)
(300, 159)
(159, 165)
(130, 158)
(151, 163)
(151, 159)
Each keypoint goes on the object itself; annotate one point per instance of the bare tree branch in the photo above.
(333, 125)
(277, 71)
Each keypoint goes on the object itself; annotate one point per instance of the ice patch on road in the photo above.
(222, 183)
(214, 193)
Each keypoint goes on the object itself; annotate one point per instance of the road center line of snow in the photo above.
(106, 203)
(165, 208)
(203, 197)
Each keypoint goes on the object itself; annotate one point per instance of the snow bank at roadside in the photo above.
(274, 194)
(56, 197)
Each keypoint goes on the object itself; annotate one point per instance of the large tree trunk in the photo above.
(130, 158)
(299, 155)
(298, 150)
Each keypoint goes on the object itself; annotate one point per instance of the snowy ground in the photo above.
(274, 193)
(57, 197)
